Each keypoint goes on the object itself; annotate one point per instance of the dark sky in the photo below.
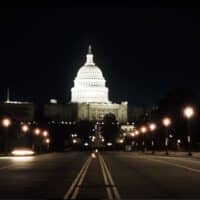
(144, 49)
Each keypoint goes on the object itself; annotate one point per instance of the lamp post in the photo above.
(6, 123)
(143, 130)
(189, 113)
(47, 141)
(166, 122)
(136, 134)
(152, 128)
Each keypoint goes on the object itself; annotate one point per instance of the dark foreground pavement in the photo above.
(110, 175)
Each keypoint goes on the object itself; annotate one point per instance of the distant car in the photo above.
(22, 151)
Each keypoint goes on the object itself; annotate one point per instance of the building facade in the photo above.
(91, 95)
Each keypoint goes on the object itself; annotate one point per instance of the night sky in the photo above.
(144, 49)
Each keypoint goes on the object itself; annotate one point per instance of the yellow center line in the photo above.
(77, 178)
(76, 191)
(108, 189)
(110, 180)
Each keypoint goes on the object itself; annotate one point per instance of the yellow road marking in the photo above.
(110, 180)
(108, 189)
(77, 179)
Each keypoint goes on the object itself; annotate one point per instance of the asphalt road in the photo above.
(110, 175)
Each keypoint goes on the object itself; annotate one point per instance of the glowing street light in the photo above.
(166, 122)
(74, 141)
(137, 132)
(121, 141)
(189, 113)
(6, 122)
(132, 134)
(37, 131)
(25, 128)
(152, 127)
(47, 141)
(143, 130)
(45, 133)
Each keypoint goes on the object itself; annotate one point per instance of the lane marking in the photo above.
(110, 182)
(76, 191)
(71, 190)
(116, 193)
(108, 190)
(168, 163)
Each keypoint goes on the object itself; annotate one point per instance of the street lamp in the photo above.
(143, 130)
(152, 128)
(25, 128)
(45, 133)
(189, 113)
(137, 132)
(6, 122)
(47, 141)
(132, 134)
(166, 122)
(37, 131)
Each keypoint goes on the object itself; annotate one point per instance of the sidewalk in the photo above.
(175, 154)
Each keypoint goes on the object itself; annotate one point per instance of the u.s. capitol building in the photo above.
(89, 97)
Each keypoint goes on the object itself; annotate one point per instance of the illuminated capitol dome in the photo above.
(89, 84)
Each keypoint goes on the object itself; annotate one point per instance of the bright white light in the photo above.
(93, 138)
(152, 126)
(22, 158)
(86, 144)
(121, 141)
(137, 132)
(22, 152)
(47, 141)
(178, 141)
(93, 155)
(6, 122)
(37, 131)
(53, 101)
(89, 84)
(143, 129)
(96, 150)
(45, 133)
(132, 134)
(166, 121)
(74, 141)
(109, 144)
(188, 112)
(25, 128)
